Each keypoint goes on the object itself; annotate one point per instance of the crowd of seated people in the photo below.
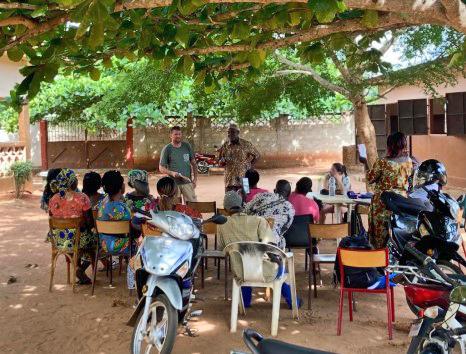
(62, 198)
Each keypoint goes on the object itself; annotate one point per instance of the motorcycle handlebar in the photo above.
(459, 331)
(416, 254)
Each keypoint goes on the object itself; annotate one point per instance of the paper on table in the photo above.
(362, 151)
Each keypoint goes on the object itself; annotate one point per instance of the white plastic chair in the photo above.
(252, 255)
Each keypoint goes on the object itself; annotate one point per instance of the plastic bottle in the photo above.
(346, 185)
(332, 186)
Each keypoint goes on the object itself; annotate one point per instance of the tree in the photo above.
(365, 76)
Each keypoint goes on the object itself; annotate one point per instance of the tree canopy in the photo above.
(209, 39)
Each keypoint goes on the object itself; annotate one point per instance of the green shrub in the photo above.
(22, 171)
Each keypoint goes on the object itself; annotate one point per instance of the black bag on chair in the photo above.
(298, 233)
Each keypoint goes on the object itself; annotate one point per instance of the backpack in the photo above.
(356, 277)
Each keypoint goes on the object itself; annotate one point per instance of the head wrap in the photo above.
(63, 181)
(138, 179)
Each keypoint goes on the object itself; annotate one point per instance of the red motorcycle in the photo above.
(205, 162)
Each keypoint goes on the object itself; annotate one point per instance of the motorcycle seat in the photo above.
(402, 205)
(272, 346)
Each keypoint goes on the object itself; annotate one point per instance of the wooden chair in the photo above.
(71, 257)
(222, 211)
(149, 230)
(217, 255)
(329, 232)
(205, 208)
(364, 259)
(116, 229)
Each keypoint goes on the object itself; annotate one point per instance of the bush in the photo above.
(22, 171)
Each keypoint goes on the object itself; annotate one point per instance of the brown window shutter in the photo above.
(392, 117)
(405, 114)
(377, 116)
(420, 117)
(456, 113)
(437, 116)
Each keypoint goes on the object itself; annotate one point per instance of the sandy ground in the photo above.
(32, 320)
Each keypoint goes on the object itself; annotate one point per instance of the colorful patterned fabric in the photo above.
(140, 202)
(72, 205)
(109, 210)
(237, 159)
(137, 175)
(271, 205)
(386, 175)
(63, 181)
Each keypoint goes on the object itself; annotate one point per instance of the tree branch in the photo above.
(18, 20)
(315, 32)
(307, 70)
(18, 6)
(341, 67)
(455, 11)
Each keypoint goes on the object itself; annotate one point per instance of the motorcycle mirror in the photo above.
(218, 219)
(458, 295)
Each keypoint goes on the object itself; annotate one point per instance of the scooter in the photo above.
(431, 228)
(441, 324)
(258, 345)
(164, 282)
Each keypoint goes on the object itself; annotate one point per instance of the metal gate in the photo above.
(73, 146)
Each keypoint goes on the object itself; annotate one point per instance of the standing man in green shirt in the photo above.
(177, 160)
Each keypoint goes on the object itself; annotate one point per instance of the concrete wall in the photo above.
(281, 143)
(451, 150)
(9, 74)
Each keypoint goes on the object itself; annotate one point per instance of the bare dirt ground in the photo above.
(32, 320)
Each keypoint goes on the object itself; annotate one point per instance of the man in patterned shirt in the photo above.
(238, 156)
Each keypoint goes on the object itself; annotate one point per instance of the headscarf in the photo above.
(138, 179)
(63, 181)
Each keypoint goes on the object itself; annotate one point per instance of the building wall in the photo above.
(9, 74)
(281, 143)
(448, 149)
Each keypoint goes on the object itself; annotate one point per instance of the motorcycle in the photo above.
(164, 282)
(442, 302)
(258, 345)
(430, 227)
(205, 162)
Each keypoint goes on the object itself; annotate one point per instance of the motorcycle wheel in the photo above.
(158, 337)
(202, 167)
(433, 348)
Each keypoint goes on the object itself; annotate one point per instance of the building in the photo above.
(436, 126)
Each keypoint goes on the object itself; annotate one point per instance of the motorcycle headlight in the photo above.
(180, 230)
(431, 312)
(182, 270)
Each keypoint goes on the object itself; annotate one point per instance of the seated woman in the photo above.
(168, 199)
(302, 204)
(91, 185)
(47, 193)
(140, 198)
(253, 178)
(274, 205)
(337, 171)
(67, 203)
(113, 208)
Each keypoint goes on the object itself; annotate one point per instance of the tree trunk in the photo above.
(365, 131)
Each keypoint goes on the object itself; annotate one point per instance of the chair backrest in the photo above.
(362, 209)
(298, 233)
(363, 258)
(329, 231)
(252, 255)
(113, 227)
(222, 211)
(148, 230)
(203, 207)
(65, 223)
(94, 214)
(209, 228)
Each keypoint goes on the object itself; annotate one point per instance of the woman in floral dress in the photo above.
(140, 198)
(67, 203)
(387, 174)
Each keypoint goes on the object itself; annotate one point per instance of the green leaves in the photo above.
(370, 18)
(182, 35)
(15, 54)
(257, 58)
(241, 30)
(326, 10)
(313, 53)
